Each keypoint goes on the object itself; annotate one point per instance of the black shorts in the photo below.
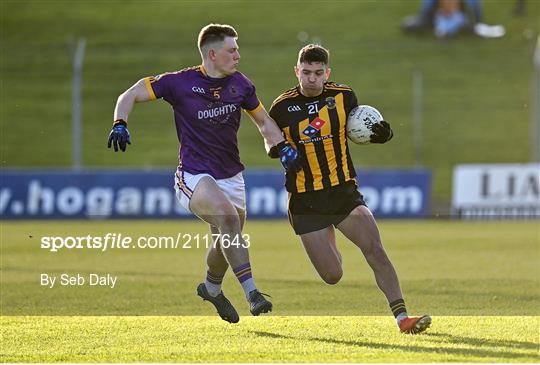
(315, 210)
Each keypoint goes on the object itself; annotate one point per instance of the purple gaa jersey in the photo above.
(207, 113)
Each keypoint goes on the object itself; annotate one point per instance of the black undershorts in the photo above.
(315, 210)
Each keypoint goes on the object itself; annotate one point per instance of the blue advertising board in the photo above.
(31, 194)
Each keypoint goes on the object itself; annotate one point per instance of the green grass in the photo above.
(445, 268)
(266, 339)
(479, 280)
(477, 92)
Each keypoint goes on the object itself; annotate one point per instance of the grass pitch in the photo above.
(266, 339)
(479, 281)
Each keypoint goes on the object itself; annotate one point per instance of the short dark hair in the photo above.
(313, 53)
(215, 33)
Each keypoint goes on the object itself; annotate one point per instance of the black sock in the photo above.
(397, 307)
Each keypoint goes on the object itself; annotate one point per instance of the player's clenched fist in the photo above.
(382, 132)
(119, 136)
(289, 157)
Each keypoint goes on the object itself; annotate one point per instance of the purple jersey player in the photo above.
(207, 113)
(207, 101)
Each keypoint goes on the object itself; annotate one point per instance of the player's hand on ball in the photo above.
(382, 132)
(289, 157)
(119, 136)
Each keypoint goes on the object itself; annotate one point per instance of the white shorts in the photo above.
(233, 188)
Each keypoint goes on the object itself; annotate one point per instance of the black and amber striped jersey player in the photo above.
(316, 127)
(324, 196)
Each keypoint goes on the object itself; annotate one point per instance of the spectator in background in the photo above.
(449, 17)
(519, 8)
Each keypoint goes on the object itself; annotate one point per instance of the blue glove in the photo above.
(119, 136)
(289, 157)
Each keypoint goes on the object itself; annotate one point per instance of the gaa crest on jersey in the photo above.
(233, 90)
(198, 89)
(294, 108)
(331, 102)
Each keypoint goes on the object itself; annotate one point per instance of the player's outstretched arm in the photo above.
(275, 144)
(267, 127)
(136, 94)
(119, 136)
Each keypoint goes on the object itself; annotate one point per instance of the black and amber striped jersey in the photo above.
(316, 127)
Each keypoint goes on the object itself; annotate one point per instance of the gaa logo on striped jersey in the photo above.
(294, 108)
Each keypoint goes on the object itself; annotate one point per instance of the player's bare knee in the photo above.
(332, 277)
(228, 220)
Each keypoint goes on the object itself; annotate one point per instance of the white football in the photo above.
(360, 122)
